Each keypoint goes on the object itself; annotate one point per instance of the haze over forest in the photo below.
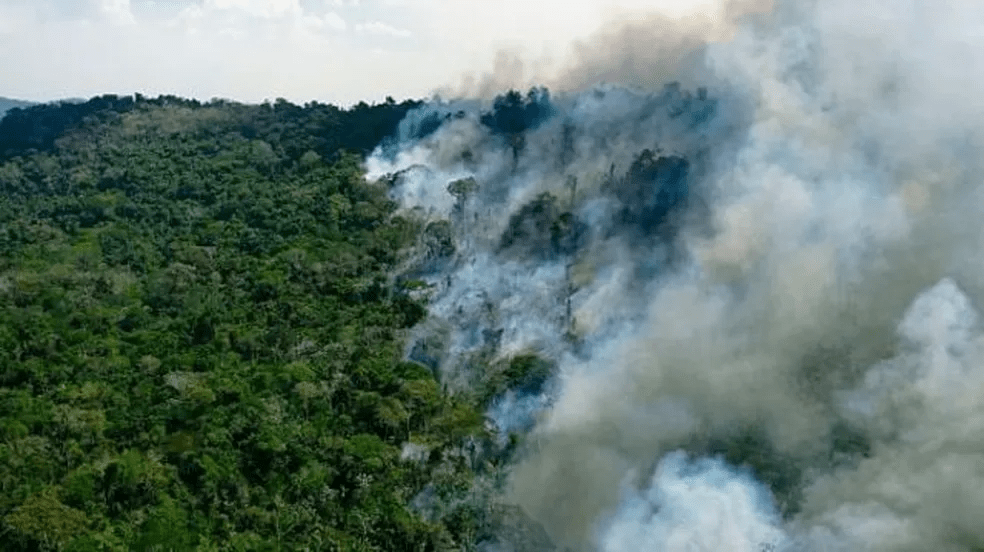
(6, 104)
(696, 277)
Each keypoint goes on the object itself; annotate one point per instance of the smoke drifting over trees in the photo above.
(758, 287)
(713, 284)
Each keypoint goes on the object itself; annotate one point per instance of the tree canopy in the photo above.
(201, 344)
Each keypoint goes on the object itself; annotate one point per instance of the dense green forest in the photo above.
(201, 339)
(7, 104)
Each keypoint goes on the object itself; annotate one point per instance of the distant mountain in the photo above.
(7, 103)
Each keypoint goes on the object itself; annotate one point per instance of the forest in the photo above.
(716, 289)
(202, 339)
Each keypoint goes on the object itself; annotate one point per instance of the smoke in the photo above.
(698, 506)
(637, 47)
(759, 287)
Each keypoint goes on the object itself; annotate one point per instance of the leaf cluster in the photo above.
(200, 341)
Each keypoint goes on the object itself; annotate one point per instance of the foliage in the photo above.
(541, 229)
(6, 104)
(654, 187)
(513, 114)
(526, 373)
(200, 341)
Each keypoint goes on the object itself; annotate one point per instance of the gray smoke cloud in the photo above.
(765, 329)
(642, 49)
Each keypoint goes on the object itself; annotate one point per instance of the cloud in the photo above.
(117, 11)
(257, 8)
(241, 49)
(330, 20)
(384, 29)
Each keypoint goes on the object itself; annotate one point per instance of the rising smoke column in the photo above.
(809, 311)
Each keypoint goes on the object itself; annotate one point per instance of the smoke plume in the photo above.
(756, 290)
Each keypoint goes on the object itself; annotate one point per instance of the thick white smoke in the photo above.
(806, 313)
(699, 506)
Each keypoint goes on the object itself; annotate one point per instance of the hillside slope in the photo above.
(6, 104)
(200, 342)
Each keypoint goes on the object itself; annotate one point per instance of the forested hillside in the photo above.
(201, 341)
(7, 104)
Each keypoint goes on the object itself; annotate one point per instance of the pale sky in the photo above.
(339, 51)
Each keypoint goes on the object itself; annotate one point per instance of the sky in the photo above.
(340, 51)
